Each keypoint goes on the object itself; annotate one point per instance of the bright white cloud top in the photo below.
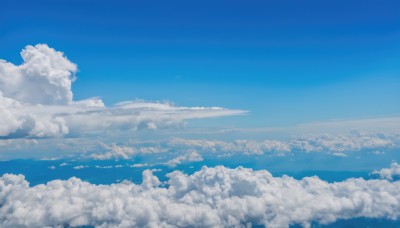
(36, 100)
(211, 197)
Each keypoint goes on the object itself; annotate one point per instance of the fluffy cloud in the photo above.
(45, 77)
(36, 100)
(389, 173)
(190, 156)
(211, 197)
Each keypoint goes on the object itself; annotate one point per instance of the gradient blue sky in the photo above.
(287, 62)
(320, 80)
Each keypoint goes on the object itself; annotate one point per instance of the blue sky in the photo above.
(287, 62)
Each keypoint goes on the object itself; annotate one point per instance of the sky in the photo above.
(200, 113)
(285, 62)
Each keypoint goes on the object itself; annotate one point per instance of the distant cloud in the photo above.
(389, 173)
(336, 144)
(139, 165)
(370, 144)
(211, 197)
(36, 100)
(338, 154)
(80, 167)
(115, 152)
(104, 167)
(190, 156)
(354, 141)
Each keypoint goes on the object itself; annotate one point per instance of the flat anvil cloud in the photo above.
(36, 100)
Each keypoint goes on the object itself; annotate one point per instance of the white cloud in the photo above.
(211, 197)
(336, 144)
(36, 100)
(104, 167)
(115, 152)
(190, 156)
(96, 148)
(45, 77)
(389, 173)
(237, 146)
(139, 165)
(339, 154)
(354, 141)
(80, 167)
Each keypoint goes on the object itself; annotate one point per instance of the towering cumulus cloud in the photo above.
(36, 100)
(45, 77)
(211, 197)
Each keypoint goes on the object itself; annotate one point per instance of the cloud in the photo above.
(211, 197)
(239, 146)
(115, 152)
(339, 154)
(336, 144)
(190, 156)
(139, 165)
(354, 141)
(104, 148)
(36, 100)
(80, 167)
(104, 167)
(389, 173)
(45, 77)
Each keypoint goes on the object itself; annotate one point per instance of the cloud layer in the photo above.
(36, 101)
(211, 197)
(333, 144)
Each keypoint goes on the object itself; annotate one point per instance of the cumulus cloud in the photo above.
(389, 173)
(36, 100)
(45, 77)
(211, 197)
(190, 156)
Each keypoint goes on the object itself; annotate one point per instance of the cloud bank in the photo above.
(36, 100)
(211, 197)
(333, 144)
